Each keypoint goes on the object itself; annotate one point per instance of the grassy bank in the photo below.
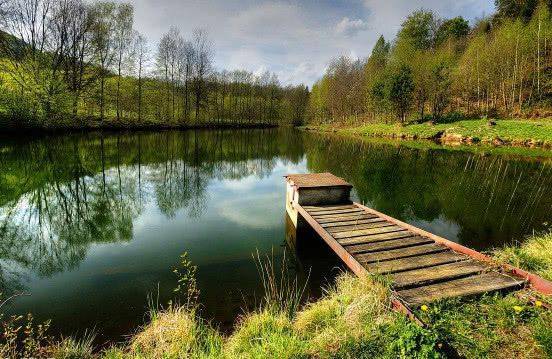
(530, 133)
(534, 255)
(354, 319)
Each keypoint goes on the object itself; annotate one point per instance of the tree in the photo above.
(35, 49)
(400, 88)
(419, 29)
(141, 52)
(167, 64)
(104, 42)
(523, 9)
(375, 71)
(201, 67)
(187, 59)
(440, 86)
(77, 51)
(124, 18)
(452, 29)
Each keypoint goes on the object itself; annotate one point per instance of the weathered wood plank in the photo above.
(326, 208)
(366, 232)
(404, 264)
(448, 271)
(375, 238)
(353, 227)
(388, 244)
(399, 253)
(348, 223)
(351, 212)
(345, 218)
(473, 285)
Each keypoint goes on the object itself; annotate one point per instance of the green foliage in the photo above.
(186, 282)
(84, 69)
(418, 30)
(409, 340)
(400, 89)
(494, 326)
(516, 8)
(497, 69)
(455, 28)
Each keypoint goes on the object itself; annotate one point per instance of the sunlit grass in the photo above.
(352, 319)
(534, 254)
(511, 131)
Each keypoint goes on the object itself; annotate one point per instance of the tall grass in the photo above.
(534, 254)
(282, 291)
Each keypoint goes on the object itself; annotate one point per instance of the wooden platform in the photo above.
(421, 266)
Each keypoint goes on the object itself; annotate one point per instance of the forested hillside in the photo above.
(445, 69)
(73, 63)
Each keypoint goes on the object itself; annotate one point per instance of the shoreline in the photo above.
(113, 125)
(460, 133)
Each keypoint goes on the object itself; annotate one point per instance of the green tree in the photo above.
(418, 30)
(523, 9)
(400, 89)
(452, 29)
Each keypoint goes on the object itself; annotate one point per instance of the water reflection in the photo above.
(91, 224)
(476, 199)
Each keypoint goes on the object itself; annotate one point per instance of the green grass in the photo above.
(534, 255)
(510, 131)
(354, 319)
(493, 326)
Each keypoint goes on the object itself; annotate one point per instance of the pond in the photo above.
(93, 225)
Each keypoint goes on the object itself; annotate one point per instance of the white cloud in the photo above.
(350, 27)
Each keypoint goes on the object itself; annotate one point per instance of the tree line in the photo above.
(62, 61)
(443, 69)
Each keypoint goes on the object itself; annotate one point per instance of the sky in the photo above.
(294, 39)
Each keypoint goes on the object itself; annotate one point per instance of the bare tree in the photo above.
(36, 49)
(141, 52)
(202, 67)
(78, 49)
(104, 42)
(187, 57)
(124, 18)
(167, 65)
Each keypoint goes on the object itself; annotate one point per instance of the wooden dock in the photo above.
(422, 267)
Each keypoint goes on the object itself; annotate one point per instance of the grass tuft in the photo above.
(70, 348)
(265, 334)
(176, 333)
(534, 255)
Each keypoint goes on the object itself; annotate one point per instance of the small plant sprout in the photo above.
(186, 281)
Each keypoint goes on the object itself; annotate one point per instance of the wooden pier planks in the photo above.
(421, 269)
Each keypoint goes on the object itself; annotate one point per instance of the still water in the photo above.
(92, 225)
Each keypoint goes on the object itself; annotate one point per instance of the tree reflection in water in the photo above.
(59, 195)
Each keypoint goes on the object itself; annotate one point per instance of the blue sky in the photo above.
(294, 39)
